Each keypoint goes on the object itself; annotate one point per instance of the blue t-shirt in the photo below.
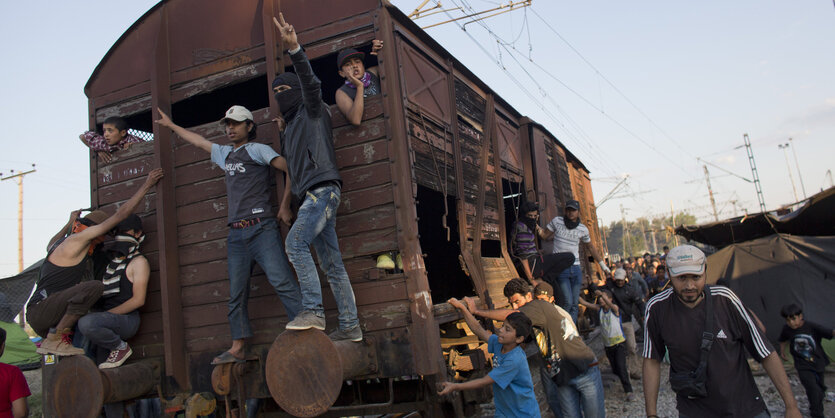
(247, 179)
(512, 388)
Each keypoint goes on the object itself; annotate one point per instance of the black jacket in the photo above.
(628, 300)
(308, 139)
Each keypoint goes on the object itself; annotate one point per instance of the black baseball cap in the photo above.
(347, 54)
(572, 204)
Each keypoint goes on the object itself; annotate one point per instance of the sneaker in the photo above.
(306, 320)
(630, 397)
(116, 358)
(60, 344)
(354, 334)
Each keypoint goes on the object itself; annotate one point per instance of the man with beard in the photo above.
(530, 262)
(62, 296)
(677, 321)
(253, 229)
(568, 232)
(308, 145)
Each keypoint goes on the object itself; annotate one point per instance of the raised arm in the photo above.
(64, 230)
(74, 247)
(496, 314)
(470, 319)
(352, 109)
(311, 86)
(195, 139)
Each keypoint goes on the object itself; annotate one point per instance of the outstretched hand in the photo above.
(288, 33)
(470, 304)
(153, 177)
(456, 304)
(376, 46)
(163, 120)
(448, 387)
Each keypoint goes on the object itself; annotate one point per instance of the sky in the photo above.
(640, 88)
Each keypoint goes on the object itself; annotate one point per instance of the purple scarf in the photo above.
(366, 81)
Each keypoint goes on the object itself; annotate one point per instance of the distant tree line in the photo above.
(640, 233)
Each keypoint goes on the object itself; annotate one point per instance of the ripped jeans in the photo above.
(316, 225)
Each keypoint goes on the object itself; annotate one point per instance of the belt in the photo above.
(594, 364)
(245, 223)
(324, 183)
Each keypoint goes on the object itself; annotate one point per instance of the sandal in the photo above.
(227, 357)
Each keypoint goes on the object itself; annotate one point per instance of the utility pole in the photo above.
(625, 235)
(797, 164)
(643, 235)
(756, 176)
(673, 213)
(654, 245)
(789, 167)
(601, 225)
(710, 192)
(733, 202)
(19, 179)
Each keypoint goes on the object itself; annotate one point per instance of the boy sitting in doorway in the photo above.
(116, 137)
(359, 82)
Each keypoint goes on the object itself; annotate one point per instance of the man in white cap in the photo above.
(708, 367)
(253, 234)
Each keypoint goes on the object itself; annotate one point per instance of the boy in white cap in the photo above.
(705, 329)
(253, 228)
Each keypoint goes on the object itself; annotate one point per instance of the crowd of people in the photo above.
(703, 331)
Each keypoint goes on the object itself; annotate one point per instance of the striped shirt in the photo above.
(672, 326)
(568, 240)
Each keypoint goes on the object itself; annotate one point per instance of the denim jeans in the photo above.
(316, 225)
(259, 243)
(584, 392)
(551, 392)
(570, 281)
(108, 330)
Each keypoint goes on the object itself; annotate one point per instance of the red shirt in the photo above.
(12, 387)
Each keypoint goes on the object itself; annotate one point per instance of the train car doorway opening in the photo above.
(441, 255)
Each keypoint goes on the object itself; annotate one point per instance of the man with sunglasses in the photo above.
(62, 296)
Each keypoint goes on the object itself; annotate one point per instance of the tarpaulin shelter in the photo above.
(773, 271)
(815, 218)
(20, 350)
(14, 292)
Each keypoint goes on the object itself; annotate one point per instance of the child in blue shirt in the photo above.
(512, 385)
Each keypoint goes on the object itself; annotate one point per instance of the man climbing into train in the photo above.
(308, 146)
(62, 295)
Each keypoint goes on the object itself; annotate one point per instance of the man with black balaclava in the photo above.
(125, 286)
(568, 233)
(62, 296)
(308, 146)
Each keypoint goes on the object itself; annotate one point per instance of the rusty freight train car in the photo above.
(433, 174)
